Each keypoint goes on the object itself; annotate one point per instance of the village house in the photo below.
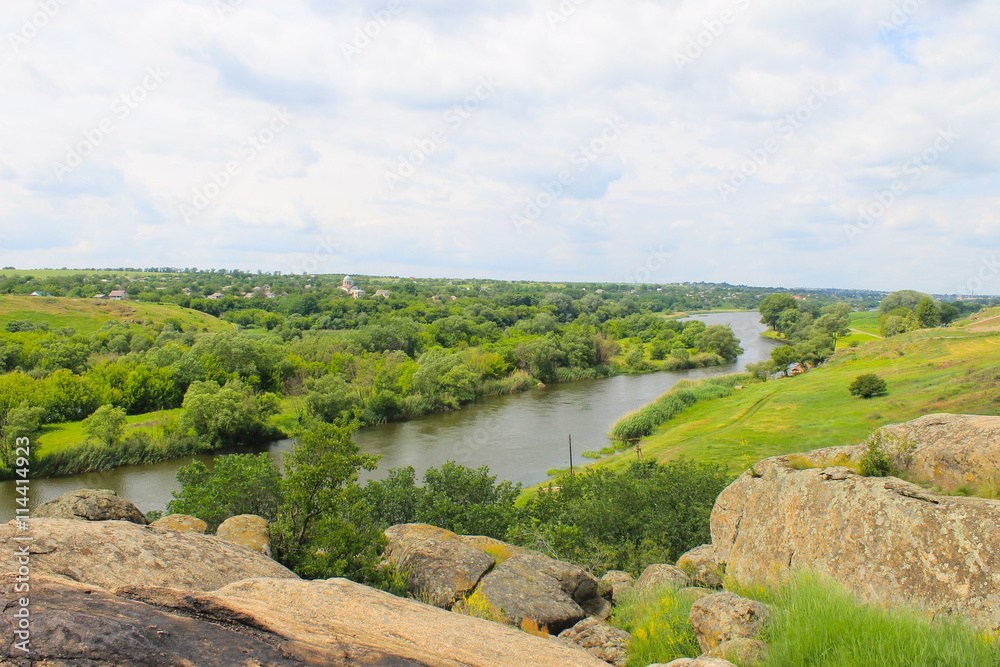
(382, 293)
(118, 295)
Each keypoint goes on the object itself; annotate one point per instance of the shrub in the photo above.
(874, 462)
(658, 621)
(867, 386)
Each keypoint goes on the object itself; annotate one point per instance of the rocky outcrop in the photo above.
(656, 576)
(111, 554)
(274, 622)
(180, 523)
(439, 569)
(702, 567)
(548, 592)
(90, 505)
(726, 616)
(745, 651)
(697, 662)
(950, 451)
(614, 583)
(600, 640)
(886, 540)
(248, 530)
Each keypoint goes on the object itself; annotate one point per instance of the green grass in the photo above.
(865, 321)
(89, 315)
(55, 437)
(658, 621)
(820, 625)
(927, 372)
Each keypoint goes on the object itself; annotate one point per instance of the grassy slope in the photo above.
(88, 315)
(939, 371)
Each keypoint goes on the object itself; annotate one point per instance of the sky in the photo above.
(833, 143)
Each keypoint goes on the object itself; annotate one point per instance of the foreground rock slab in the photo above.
(111, 554)
(338, 622)
(604, 642)
(886, 540)
(90, 505)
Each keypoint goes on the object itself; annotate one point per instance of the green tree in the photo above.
(928, 315)
(720, 339)
(868, 385)
(237, 484)
(106, 425)
(468, 501)
(22, 421)
(773, 306)
(784, 356)
(906, 298)
(230, 414)
(949, 313)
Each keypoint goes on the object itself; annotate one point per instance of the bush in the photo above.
(658, 622)
(625, 520)
(868, 386)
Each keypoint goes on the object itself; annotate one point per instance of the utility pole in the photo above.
(571, 472)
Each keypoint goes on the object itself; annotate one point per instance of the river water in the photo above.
(519, 436)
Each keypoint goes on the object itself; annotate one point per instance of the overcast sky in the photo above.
(843, 143)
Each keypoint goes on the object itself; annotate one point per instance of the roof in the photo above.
(117, 292)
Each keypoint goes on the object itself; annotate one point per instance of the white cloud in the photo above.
(689, 128)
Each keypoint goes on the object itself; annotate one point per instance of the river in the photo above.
(519, 436)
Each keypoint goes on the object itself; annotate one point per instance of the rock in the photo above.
(111, 554)
(338, 622)
(597, 607)
(181, 523)
(248, 530)
(702, 567)
(500, 551)
(885, 540)
(656, 576)
(724, 616)
(440, 570)
(694, 593)
(614, 583)
(949, 451)
(535, 587)
(90, 505)
(745, 651)
(697, 662)
(600, 640)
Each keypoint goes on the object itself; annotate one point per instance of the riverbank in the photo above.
(926, 373)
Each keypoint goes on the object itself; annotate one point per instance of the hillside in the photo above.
(88, 315)
(941, 370)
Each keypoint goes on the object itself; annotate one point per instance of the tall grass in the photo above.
(658, 621)
(646, 420)
(818, 624)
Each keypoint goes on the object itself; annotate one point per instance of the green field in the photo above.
(867, 322)
(41, 274)
(88, 315)
(70, 434)
(927, 372)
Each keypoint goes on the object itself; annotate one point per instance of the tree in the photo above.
(784, 356)
(928, 315)
(468, 501)
(773, 306)
(229, 414)
(237, 484)
(867, 385)
(762, 370)
(720, 340)
(949, 313)
(906, 298)
(106, 425)
(20, 422)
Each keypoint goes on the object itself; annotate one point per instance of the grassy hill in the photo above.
(88, 315)
(940, 370)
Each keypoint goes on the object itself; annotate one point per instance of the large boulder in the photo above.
(550, 593)
(656, 576)
(180, 523)
(950, 451)
(886, 540)
(744, 650)
(333, 622)
(721, 617)
(696, 662)
(90, 505)
(600, 640)
(702, 566)
(111, 554)
(440, 569)
(614, 583)
(248, 530)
